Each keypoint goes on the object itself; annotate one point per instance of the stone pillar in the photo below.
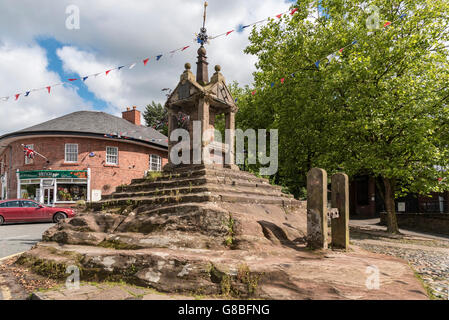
(317, 209)
(172, 125)
(202, 73)
(230, 139)
(340, 200)
(203, 117)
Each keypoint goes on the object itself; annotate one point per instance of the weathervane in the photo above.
(202, 37)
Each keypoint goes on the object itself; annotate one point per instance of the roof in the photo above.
(97, 124)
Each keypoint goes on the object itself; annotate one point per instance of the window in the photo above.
(12, 204)
(29, 204)
(27, 159)
(71, 153)
(155, 162)
(112, 155)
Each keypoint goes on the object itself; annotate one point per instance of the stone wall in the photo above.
(426, 222)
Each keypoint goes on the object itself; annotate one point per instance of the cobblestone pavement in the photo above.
(429, 258)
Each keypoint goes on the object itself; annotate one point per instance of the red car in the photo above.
(20, 210)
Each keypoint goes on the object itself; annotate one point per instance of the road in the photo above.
(15, 238)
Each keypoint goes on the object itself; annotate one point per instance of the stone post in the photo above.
(203, 116)
(230, 139)
(172, 125)
(340, 200)
(317, 209)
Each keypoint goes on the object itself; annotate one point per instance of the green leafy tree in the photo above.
(378, 107)
(156, 116)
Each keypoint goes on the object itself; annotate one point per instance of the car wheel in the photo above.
(2, 220)
(59, 217)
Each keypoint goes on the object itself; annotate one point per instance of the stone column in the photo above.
(172, 125)
(230, 139)
(340, 200)
(317, 209)
(203, 117)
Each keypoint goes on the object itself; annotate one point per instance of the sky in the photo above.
(37, 50)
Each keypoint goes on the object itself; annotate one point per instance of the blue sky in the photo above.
(55, 64)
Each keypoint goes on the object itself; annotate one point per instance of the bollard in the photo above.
(317, 209)
(340, 200)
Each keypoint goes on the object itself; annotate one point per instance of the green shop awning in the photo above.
(53, 174)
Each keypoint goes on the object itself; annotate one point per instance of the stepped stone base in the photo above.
(207, 230)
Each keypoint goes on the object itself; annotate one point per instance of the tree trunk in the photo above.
(392, 222)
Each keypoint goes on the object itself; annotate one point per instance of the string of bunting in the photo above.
(133, 64)
(333, 56)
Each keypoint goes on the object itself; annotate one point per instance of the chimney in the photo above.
(132, 116)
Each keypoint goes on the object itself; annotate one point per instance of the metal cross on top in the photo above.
(202, 36)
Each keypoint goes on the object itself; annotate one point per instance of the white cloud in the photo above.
(114, 32)
(25, 67)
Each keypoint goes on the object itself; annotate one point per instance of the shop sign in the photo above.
(53, 174)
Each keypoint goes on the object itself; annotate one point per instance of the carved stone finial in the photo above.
(188, 66)
(217, 68)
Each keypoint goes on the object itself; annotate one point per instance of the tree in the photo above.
(155, 116)
(378, 107)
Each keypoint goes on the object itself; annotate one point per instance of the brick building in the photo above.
(89, 155)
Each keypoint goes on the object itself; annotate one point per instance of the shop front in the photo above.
(53, 187)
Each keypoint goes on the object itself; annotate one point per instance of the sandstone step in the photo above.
(190, 182)
(155, 192)
(228, 173)
(194, 197)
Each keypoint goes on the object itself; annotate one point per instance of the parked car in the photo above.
(21, 210)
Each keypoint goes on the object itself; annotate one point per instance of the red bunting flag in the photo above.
(341, 50)
(282, 80)
(387, 24)
(17, 96)
(48, 89)
(279, 15)
(254, 92)
(72, 80)
(146, 61)
(229, 32)
(107, 72)
(185, 48)
(293, 11)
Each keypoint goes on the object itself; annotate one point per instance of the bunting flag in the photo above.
(291, 11)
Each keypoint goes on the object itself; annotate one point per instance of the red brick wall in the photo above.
(133, 160)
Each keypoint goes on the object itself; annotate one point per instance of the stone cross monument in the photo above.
(201, 101)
